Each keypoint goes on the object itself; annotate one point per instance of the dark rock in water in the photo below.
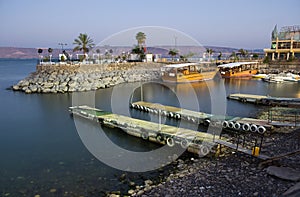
(284, 173)
(9, 88)
(122, 177)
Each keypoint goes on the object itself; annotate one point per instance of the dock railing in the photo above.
(284, 116)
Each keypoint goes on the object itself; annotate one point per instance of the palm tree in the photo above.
(210, 52)
(243, 52)
(220, 55)
(98, 52)
(141, 38)
(234, 56)
(84, 43)
(173, 53)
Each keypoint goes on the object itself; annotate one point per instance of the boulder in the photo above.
(293, 191)
(284, 173)
(16, 87)
(48, 85)
(33, 88)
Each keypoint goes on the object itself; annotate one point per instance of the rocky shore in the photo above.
(71, 78)
(232, 173)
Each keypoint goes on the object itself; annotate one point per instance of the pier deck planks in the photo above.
(182, 133)
(202, 116)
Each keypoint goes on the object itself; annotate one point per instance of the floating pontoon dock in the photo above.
(229, 122)
(159, 133)
(265, 100)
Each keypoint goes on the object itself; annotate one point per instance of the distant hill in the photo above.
(29, 53)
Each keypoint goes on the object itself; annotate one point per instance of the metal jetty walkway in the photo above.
(265, 100)
(228, 122)
(159, 133)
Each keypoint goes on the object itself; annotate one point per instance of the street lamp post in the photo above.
(62, 46)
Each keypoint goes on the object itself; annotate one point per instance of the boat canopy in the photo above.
(235, 64)
(179, 65)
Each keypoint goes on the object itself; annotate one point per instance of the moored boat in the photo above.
(282, 77)
(238, 69)
(188, 72)
(259, 76)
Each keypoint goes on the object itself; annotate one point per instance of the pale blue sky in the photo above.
(233, 23)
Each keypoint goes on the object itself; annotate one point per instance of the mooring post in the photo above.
(159, 120)
(142, 95)
(261, 141)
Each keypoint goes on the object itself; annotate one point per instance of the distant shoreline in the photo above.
(31, 53)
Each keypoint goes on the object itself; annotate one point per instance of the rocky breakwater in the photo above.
(72, 78)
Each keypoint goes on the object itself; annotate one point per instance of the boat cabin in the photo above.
(238, 69)
(187, 72)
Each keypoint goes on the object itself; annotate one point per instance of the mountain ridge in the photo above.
(29, 53)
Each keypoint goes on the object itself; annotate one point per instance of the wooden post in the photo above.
(142, 95)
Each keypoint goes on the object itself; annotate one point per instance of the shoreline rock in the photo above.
(62, 79)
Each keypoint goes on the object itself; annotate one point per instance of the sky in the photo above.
(232, 23)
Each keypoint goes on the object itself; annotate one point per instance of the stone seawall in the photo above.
(71, 78)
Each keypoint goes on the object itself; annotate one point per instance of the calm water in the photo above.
(40, 148)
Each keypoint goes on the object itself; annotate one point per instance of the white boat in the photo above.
(282, 77)
(273, 79)
(291, 77)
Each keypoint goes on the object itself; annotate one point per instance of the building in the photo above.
(285, 45)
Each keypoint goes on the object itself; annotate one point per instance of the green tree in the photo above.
(255, 56)
(234, 56)
(220, 55)
(173, 53)
(243, 52)
(84, 43)
(185, 57)
(139, 51)
(141, 38)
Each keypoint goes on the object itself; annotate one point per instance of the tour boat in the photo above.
(188, 72)
(238, 69)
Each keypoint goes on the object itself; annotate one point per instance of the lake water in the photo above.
(41, 150)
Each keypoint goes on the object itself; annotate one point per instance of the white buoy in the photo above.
(206, 122)
(177, 116)
(204, 150)
(246, 127)
(253, 128)
(231, 125)
(144, 135)
(159, 137)
(225, 124)
(261, 129)
(184, 143)
(237, 126)
(170, 141)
